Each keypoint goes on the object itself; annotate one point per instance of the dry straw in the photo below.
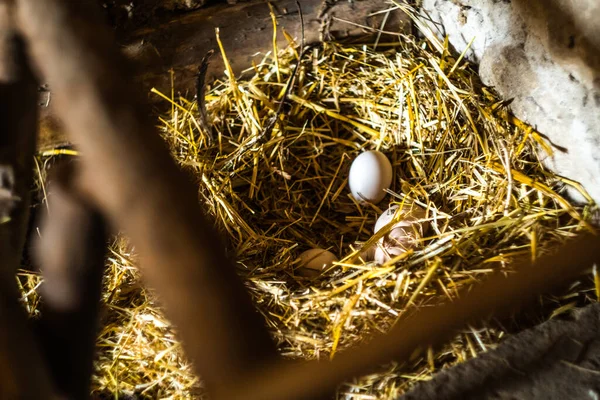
(456, 152)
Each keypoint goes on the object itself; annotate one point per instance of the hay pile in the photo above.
(455, 151)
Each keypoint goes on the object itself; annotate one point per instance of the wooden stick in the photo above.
(128, 173)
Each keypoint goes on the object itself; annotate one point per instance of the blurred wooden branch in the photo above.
(71, 255)
(22, 370)
(127, 172)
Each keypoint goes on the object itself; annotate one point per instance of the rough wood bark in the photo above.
(246, 31)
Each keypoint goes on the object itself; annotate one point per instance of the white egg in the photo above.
(403, 235)
(314, 261)
(370, 175)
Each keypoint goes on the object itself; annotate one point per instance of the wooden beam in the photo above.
(246, 31)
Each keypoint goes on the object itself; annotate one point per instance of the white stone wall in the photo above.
(545, 55)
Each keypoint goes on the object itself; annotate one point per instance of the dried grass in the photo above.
(456, 151)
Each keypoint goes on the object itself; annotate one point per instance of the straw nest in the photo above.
(456, 152)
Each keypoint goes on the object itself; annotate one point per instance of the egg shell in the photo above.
(370, 175)
(403, 235)
(383, 254)
(398, 241)
(410, 215)
(315, 261)
(368, 253)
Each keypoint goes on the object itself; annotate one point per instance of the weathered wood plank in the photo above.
(246, 32)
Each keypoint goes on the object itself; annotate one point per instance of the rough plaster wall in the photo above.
(544, 54)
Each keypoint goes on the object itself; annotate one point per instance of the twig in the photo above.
(290, 83)
(201, 98)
